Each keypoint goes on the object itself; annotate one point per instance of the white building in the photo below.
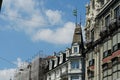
(69, 65)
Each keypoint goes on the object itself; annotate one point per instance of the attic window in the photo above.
(75, 49)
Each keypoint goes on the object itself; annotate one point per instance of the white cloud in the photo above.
(59, 36)
(36, 22)
(54, 17)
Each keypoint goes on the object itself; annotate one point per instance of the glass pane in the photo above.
(75, 64)
(105, 73)
(75, 50)
(119, 74)
(119, 66)
(114, 68)
(105, 46)
(114, 76)
(114, 40)
(109, 71)
(109, 77)
(109, 44)
(107, 21)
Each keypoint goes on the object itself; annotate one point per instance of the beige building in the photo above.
(102, 33)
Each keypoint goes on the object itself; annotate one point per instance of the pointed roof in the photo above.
(77, 37)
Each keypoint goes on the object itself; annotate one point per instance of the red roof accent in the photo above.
(115, 54)
(105, 60)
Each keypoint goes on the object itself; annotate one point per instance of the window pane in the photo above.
(119, 74)
(109, 44)
(75, 50)
(105, 73)
(119, 66)
(105, 46)
(114, 40)
(107, 21)
(109, 77)
(75, 64)
(114, 76)
(109, 71)
(114, 68)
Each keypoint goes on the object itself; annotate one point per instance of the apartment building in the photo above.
(69, 64)
(102, 33)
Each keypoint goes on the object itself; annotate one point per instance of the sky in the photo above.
(29, 27)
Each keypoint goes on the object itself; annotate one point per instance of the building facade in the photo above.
(69, 65)
(34, 70)
(102, 33)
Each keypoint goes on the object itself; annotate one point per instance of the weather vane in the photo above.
(75, 14)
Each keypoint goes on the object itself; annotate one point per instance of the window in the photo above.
(107, 21)
(107, 49)
(117, 12)
(75, 64)
(75, 49)
(74, 77)
(91, 62)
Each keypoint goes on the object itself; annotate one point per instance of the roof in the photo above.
(77, 37)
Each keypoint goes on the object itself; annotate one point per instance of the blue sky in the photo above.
(29, 26)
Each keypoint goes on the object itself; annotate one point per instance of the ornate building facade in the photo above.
(102, 34)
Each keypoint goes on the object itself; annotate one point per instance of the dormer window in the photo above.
(75, 49)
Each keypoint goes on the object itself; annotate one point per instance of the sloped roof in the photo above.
(77, 37)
